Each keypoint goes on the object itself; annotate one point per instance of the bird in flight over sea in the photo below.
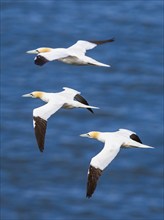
(113, 141)
(74, 54)
(69, 98)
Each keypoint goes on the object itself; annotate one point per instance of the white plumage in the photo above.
(74, 54)
(113, 141)
(69, 98)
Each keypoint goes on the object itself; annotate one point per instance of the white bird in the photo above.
(69, 98)
(113, 142)
(71, 55)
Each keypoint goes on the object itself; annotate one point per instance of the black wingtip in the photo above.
(112, 39)
(40, 60)
(40, 131)
(93, 176)
(88, 196)
(81, 99)
(41, 147)
(102, 41)
(89, 109)
(135, 138)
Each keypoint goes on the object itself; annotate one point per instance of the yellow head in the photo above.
(40, 50)
(35, 94)
(92, 134)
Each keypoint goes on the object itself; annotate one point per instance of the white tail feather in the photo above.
(144, 146)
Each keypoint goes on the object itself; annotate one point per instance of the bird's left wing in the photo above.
(81, 46)
(40, 117)
(81, 99)
(98, 164)
(43, 58)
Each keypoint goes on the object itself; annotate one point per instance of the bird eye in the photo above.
(31, 94)
(37, 51)
(88, 134)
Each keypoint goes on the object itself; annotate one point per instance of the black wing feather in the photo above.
(40, 131)
(135, 138)
(80, 99)
(40, 60)
(93, 176)
(102, 41)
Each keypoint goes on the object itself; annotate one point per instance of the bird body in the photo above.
(74, 54)
(113, 142)
(69, 98)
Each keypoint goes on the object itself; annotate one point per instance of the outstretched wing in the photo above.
(98, 164)
(55, 54)
(81, 46)
(40, 117)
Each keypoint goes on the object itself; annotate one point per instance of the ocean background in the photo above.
(52, 185)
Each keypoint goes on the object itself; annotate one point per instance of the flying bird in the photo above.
(71, 55)
(113, 141)
(69, 98)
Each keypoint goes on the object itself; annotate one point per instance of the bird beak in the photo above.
(83, 135)
(32, 51)
(26, 95)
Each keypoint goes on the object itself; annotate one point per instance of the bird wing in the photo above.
(40, 116)
(130, 134)
(126, 132)
(81, 46)
(55, 54)
(74, 94)
(98, 164)
(81, 99)
(70, 92)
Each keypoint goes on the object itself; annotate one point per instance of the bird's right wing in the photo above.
(70, 92)
(98, 164)
(130, 134)
(40, 117)
(81, 46)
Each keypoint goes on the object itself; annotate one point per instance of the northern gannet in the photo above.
(71, 55)
(69, 98)
(113, 141)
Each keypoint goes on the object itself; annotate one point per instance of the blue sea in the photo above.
(52, 185)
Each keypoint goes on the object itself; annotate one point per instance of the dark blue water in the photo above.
(52, 185)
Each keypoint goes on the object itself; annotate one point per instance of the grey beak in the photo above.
(26, 95)
(32, 52)
(83, 135)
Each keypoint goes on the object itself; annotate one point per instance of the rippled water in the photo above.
(51, 185)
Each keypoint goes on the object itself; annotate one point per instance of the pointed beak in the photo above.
(26, 95)
(32, 51)
(83, 135)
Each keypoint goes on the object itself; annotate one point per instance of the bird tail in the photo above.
(144, 146)
(89, 107)
(103, 64)
(136, 144)
(96, 63)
